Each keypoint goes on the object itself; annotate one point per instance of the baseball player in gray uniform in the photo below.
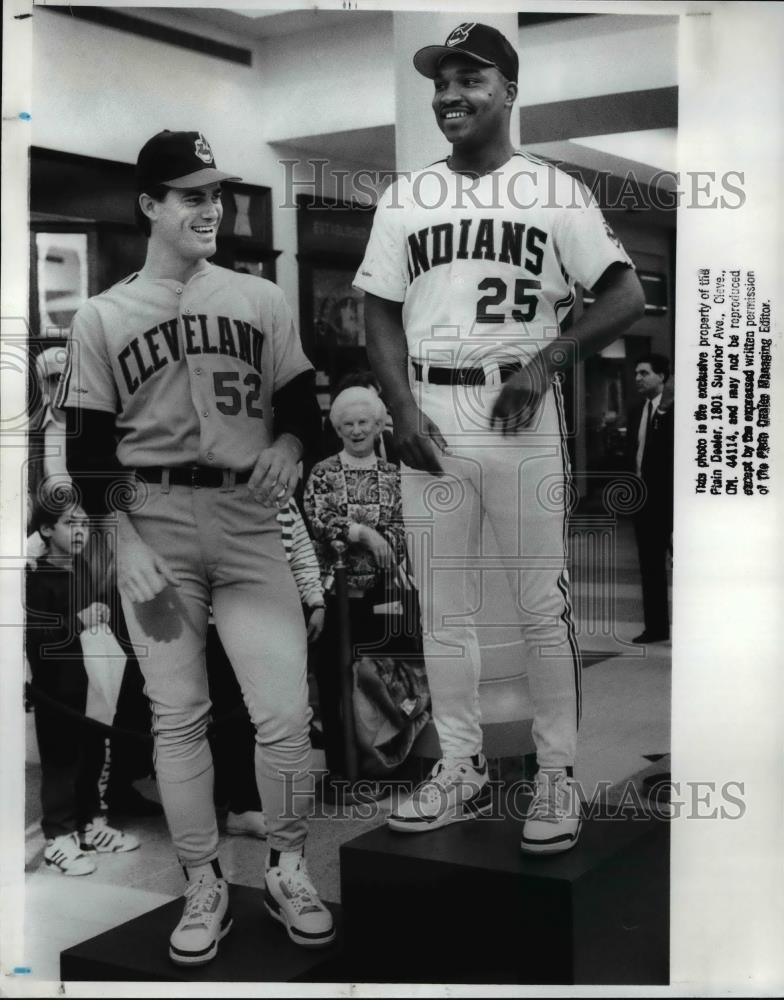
(198, 374)
(469, 272)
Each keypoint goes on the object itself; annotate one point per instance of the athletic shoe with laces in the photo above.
(205, 920)
(65, 854)
(293, 901)
(454, 791)
(553, 821)
(99, 836)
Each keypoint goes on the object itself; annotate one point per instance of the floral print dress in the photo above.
(339, 494)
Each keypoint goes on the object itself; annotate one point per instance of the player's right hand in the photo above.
(415, 436)
(142, 573)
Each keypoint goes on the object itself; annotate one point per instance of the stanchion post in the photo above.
(346, 663)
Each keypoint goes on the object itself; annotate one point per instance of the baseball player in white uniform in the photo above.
(469, 272)
(198, 374)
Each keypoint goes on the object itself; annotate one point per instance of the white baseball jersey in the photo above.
(485, 266)
(189, 368)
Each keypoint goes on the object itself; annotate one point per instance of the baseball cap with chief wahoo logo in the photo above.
(480, 42)
(178, 160)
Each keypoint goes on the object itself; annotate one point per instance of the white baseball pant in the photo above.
(519, 483)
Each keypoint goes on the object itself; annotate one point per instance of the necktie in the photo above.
(642, 434)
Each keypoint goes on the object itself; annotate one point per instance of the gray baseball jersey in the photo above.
(189, 368)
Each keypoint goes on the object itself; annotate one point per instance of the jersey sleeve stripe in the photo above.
(533, 159)
(565, 303)
(65, 382)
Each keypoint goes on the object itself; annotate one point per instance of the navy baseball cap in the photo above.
(480, 42)
(179, 160)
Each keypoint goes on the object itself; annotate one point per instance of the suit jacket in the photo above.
(657, 461)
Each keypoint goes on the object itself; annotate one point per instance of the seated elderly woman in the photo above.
(353, 497)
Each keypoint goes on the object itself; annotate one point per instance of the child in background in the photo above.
(130, 759)
(305, 567)
(46, 467)
(59, 607)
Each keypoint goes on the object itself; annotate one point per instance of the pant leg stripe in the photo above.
(567, 616)
(568, 620)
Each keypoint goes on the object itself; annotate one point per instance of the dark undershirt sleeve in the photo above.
(297, 412)
(609, 275)
(91, 459)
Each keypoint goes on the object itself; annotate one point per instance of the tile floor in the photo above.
(626, 721)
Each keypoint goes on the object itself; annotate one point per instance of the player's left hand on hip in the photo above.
(274, 476)
(518, 400)
(96, 614)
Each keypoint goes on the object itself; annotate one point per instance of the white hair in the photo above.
(357, 394)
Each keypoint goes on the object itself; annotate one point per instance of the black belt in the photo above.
(463, 376)
(193, 475)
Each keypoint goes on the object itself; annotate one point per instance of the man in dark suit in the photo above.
(650, 455)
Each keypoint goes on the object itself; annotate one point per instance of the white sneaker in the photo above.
(248, 824)
(451, 793)
(99, 836)
(293, 901)
(64, 854)
(205, 920)
(553, 821)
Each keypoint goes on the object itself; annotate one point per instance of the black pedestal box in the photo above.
(464, 905)
(256, 950)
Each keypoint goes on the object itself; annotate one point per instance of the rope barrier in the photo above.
(39, 697)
